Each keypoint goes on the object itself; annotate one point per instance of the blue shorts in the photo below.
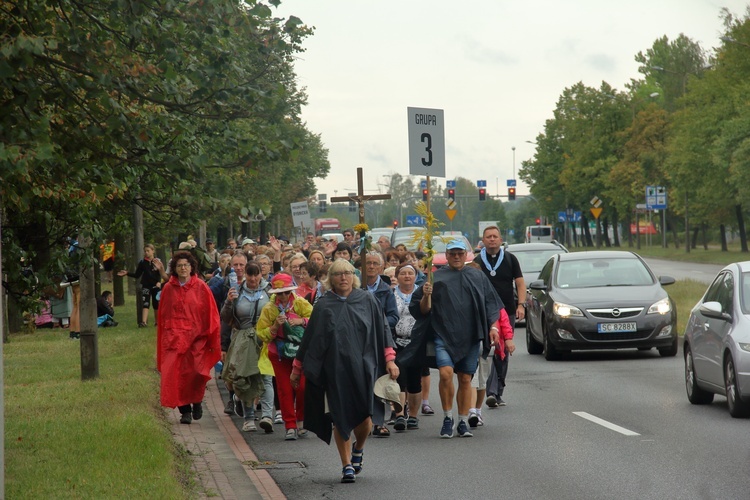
(466, 365)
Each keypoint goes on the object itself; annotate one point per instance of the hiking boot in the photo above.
(197, 411)
(229, 408)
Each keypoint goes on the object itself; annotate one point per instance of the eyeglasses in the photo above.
(339, 274)
(456, 254)
(183, 265)
(284, 293)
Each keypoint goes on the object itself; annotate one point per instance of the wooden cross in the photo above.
(360, 198)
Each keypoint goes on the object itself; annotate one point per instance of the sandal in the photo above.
(357, 458)
(380, 431)
(427, 409)
(347, 474)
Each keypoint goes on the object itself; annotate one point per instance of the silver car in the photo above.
(717, 342)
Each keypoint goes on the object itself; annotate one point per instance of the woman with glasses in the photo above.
(280, 323)
(347, 346)
(188, 338)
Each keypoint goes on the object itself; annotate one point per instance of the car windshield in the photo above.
(602, 272)
(532, 261)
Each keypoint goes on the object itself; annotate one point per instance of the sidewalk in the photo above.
(221, 456)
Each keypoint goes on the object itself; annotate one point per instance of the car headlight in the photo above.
(745, 346)
(565, 311)
(661, 307)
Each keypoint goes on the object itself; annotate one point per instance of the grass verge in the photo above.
(103, 438)
(713, 255)
(685, 294)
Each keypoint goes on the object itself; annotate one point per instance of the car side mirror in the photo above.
(538, 285)
(666, 280)
(713, 310)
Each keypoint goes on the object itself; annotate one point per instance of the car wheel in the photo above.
(668, 352)
(532, 346)
(549, 351)
(737, 407)
(695, 394)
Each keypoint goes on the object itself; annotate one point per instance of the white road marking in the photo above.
(604, 423)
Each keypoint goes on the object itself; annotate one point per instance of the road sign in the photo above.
(656, 198)
(481, 184)
(450, 203)
(423, 184)
(596, 211)
(577, 216)
(450, 184)
(596, 202)
(426, 142)
(415, 220)
(450, 213)
(561, 217)
(301, 214)
(511, 183)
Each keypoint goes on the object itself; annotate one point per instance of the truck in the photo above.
(326, 225)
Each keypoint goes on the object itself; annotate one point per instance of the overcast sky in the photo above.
(496, 68)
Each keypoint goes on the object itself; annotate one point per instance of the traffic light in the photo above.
(424, 195)
(322, 206)
(511, 193)
(395, 223)
(538, 221)
(482, 194)
(452, 194)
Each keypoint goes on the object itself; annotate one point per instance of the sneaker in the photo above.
(463, 430)
(500, 402)
(400, 424)
(197, 411)
(473, 419)
(491, 401)
(291, 435)
(229, 408)
(186, 418)
(266, 424)
(249, 426)
(277, 418)
(481, 420)
(412, 423)
(447, 431)
(427, 409)
(239, 410)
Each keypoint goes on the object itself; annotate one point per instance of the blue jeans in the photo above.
(468, 364)
(266, 401)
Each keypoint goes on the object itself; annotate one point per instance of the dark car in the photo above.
(531, 257)
(599, 300)
(717, 342)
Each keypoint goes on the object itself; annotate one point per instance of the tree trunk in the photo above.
(675, 238)
(705, 237)
(118, 288)
(605, 232)
(89, 343)
(741, 226)
(694, 239)
(587, 242)
(628, 222)
(138, 244)
(615, 223)
(723, 237)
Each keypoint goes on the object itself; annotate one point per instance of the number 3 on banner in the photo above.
(428, 139)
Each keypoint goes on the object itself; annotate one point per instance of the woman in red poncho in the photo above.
(188, 338)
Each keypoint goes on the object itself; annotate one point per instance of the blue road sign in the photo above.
(415, 220)
(450, 184)
(656, 198)
(511, 183)
(482, 184)
(561, 217)
(423, 184)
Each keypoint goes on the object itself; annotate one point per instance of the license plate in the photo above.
(616, 327)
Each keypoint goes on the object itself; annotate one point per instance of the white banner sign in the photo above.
(301, 215)
(426, 142)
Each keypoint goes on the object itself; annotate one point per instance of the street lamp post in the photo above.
(514, 162)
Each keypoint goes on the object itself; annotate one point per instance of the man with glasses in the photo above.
(458, 311)
(220, 290)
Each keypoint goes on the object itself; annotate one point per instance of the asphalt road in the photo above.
(704, 273)
(544, 444)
